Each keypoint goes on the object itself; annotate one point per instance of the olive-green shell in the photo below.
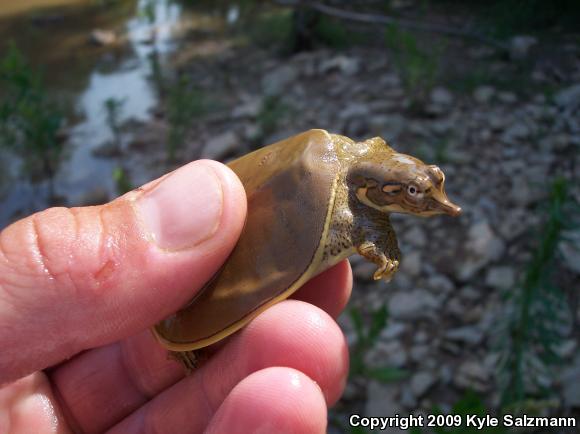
(290, 189)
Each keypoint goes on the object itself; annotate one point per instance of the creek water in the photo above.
(54, 36)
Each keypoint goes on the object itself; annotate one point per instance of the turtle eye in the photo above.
(412, 190)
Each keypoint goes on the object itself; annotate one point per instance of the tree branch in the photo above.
(384, 19)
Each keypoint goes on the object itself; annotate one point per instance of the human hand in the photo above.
(80, 287)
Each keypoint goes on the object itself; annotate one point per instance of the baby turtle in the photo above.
(313, 200)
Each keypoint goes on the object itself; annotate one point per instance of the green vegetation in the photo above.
(469, 404)
(271, 113)
(333, 33)
(113, 109)
(29, 120)
(506, 18)
(435, 150)
(293, 30)
(272, 30)
(537, 313)
(147, 11)
(417, 67)
(122, 181)
(367, 336)
(184, 103)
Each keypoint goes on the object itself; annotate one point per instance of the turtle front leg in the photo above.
(388, 266)
(375, 240)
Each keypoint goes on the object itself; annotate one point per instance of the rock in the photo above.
(521, 191)
(518, 131)
(442, 126)
(348, 66)
(393, 330)
(381, 399)
(570, 249)
(502, 277)
(393, 126)
(413, 305)
(570, 381)
(497, 121)
(357, 127)
(566, 349)
(557, 142)
(440, 101)
(407, 398)
(415, 237)
(441, 96)
(483, 94)
(391, 353)
(221, 146)
(520, 46)
(390, 80)
(513, 224)
(420, 337)
(419, 352)
(109, 149)
(411, 263)
(481, 248)
(468, 335)
(250, 131)
(364, 271)
(507, 97)
(469, 293)
(277, 81)
(250, 109)
(421, 382)
(97, 196)
(569, 97)
(440, 283)
(353, 110)
(102, 37)
(473, 375)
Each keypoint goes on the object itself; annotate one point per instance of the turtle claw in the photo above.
(387, 270)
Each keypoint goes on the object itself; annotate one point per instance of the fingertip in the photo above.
(330, 290)
(193, 204)
(277, 399)
(293, 334)
(235, 203)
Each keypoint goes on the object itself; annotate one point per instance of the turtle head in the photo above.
(401, 183)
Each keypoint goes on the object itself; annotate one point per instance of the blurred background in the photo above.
(100, 96)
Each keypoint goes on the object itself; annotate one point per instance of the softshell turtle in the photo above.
(313, 200)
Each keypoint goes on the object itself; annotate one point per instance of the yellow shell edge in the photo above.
(310, 272)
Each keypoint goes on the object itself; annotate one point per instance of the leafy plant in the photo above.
(113, 109)
(367, 336)
(148, 12)
(29, 120)
(272, 111)
(417, 68)
(122, 181)
(185, 102)
(333, 33)
(272, 30)
(468, 405)
(537, 313)
(509, 17)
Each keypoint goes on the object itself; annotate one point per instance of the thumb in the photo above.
(72, 279)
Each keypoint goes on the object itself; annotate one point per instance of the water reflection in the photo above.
(125, 79)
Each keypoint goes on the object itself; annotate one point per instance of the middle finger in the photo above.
(100, 387)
